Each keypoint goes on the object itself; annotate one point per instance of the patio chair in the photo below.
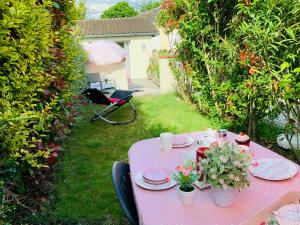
(117, 100)
(106, 85)
(123, 189)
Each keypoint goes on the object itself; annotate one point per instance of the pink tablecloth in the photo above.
(165, 208)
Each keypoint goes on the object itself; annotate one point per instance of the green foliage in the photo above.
(226, 167)
(229, 52)
(82, 9)
(153, 67)
(149, 6)
(186, 175)
(41, 68)
(121, 9)
(286, 95)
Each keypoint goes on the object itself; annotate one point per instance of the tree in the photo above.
(121, 9)
(81, 9)
(149, 5)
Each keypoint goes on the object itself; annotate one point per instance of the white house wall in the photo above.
(140, 50)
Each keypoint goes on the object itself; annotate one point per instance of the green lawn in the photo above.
(84, 188)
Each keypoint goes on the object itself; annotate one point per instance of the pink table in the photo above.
(165, 208)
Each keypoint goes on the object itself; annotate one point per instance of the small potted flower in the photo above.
(225, 168)
(185, 175)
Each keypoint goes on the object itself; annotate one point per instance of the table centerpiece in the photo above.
(225, 169)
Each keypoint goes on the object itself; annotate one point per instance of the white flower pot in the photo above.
(223, 198)
(187, 198)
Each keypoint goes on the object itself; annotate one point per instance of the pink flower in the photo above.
(251, 154)
(242, 150)
(189, 167)
(214, 145)
(179, 168)
(168, 178)
(186, 172)
(255, 164)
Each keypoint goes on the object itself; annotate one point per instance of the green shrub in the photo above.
(153, 67)
(120, 9)
(230, 51)
(41, 68)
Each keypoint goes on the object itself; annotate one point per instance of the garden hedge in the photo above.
(241, 58)
(41, 70)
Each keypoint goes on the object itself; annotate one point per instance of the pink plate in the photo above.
(180, 140)
(155, 174)
(273, 169)
(155, 182)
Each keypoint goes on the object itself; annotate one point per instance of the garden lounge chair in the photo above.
(117, 100)
(123, 189)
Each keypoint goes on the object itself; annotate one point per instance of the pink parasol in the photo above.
(104, 52)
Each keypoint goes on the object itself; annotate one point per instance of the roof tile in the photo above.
(137, 26)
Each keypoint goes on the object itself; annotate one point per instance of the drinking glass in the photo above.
(166, 141)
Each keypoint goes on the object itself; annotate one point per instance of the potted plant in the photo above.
(225, 170)
(185, 175)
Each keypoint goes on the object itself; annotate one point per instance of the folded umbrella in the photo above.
(103, 52)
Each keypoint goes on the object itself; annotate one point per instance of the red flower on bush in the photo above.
(77, 97)
(252, 71)
(243, 56)
(59, 83)
(168, 4)
(254, 60)
(54, 147)
(249, 84)
(53, 158)
(69, 104)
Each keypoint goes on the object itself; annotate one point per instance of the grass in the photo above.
(84, 191)
(83, 187)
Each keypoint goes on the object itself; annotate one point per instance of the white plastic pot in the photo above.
(223, 198)
(186, 198)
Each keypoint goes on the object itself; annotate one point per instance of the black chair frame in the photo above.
(122, 98)
(123, 189)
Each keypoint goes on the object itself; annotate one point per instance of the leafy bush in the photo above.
(230, 51)
(41, 69)
(149, 6)
(121, 9)
(153, 67)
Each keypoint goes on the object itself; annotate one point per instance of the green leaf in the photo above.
(284, 65)
(297, 70)
(56, 5)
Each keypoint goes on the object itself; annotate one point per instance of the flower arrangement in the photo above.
(225, 167)
(185, 175)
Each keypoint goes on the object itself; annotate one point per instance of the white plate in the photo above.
(139, 180)
(189, 142)
(289, 214)
(274, 169)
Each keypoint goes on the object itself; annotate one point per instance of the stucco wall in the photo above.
(140, 51)
(115, 71)
(167, 80)
(164, 39)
